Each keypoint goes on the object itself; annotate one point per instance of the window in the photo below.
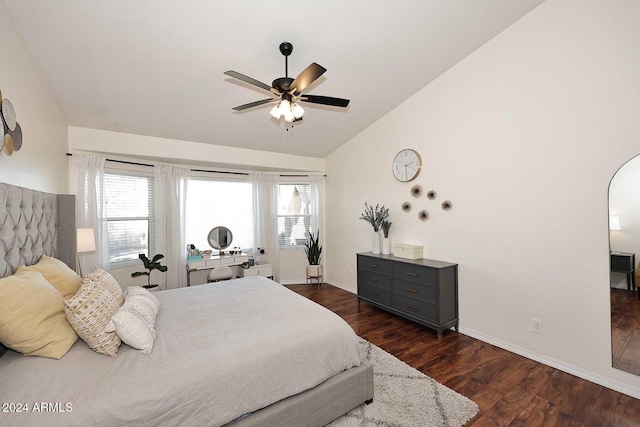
(212, 203)
(129, 198)
(294, 214)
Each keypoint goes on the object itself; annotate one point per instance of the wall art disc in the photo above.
(8, 145)
(431, 195)
(447, 205)
(16, 136)
(3, 126)
(423, 215)
(9, 114)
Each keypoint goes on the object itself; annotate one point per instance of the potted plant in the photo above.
(150, 265)
(375, 217)
(314, 252)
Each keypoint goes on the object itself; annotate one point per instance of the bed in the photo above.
(245, 352)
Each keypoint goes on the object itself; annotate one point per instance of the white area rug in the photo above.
(404, 396)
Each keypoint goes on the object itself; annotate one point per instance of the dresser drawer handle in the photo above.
(372, 279)
(415, 291)
(411, 274)
(375, 294)
(373, 266)
(412, 307)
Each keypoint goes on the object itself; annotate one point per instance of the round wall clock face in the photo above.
(407, 164)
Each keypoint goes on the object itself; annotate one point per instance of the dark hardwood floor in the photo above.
(510, 389)
(625, 330)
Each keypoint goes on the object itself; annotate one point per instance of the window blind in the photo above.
(295, 221)
(130, 207)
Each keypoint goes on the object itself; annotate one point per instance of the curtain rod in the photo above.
(192, 170)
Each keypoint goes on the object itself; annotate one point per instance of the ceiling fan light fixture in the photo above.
(297, 110)
(288, 115)
(275, 112)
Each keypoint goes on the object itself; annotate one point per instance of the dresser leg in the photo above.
(439, 334)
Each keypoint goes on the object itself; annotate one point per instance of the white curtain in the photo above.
(87, 182)
(170, 224)
(316, 190)
(265, 218)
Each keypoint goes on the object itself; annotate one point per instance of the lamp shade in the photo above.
(86, 240)
(614, 223)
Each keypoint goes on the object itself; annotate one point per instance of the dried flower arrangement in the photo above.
(375, 216)
(386, 226)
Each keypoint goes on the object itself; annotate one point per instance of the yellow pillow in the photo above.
(64, 279)
(32, 319)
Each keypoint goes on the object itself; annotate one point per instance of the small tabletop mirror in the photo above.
(220, 238)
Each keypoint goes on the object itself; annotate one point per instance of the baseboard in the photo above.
(555, 363)
(291, 282)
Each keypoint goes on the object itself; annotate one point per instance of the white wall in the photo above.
(624, 202)
(41, 164)
(187, 152)
(523, 136)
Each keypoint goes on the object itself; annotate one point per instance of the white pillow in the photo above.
(135, 321)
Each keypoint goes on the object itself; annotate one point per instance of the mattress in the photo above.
(223, 350)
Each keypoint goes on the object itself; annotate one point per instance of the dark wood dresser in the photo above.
(422, 290)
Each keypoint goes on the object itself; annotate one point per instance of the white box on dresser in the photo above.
(402, 250)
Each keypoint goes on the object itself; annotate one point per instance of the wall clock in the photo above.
(407, 164)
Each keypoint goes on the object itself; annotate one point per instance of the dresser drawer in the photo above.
(414, 307)
(415, 273)
(382, 266)
(375, 279)
(416, 290)
(375, 294)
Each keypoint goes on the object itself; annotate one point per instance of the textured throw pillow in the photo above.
(89, 311)
(139, 290)
(32, 319)
(135, 321)
(106, 280)
(64, 279)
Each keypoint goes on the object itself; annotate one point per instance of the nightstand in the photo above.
(624, 262)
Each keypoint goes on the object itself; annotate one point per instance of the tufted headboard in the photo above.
(32, 224)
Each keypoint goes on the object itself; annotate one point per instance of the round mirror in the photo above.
(220, 238)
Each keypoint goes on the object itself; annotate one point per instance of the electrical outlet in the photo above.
(537, 326)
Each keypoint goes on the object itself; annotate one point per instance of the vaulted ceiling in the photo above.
(155, 67)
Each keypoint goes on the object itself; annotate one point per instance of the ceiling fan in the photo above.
(288, 91)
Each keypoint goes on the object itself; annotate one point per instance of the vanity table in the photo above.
(198, 271)
(220, 238)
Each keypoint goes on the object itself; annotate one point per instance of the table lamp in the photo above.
(86, 243)
(614, 223)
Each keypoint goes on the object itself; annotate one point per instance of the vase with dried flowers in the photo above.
(386, 243)
(375, 217)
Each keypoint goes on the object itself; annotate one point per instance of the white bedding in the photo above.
(223, 350)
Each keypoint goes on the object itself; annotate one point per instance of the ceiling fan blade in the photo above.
(255, 104)
(308, 76)
(250, 80)
(325, 100)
